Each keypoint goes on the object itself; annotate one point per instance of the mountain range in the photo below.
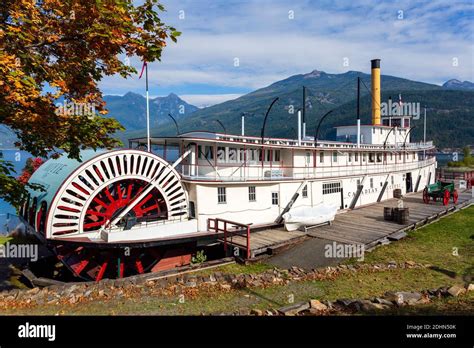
(450, 108)
(456, 84)
(130, 109)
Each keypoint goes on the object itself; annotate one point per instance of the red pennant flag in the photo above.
(143, 68)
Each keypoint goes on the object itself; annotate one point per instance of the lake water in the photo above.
(18, 158)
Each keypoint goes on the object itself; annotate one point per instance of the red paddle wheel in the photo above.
(107, 217)
(112, 199)
(97, 263)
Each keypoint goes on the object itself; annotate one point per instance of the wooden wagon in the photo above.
(442, 190)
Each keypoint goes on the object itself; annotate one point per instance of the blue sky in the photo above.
(430, 41)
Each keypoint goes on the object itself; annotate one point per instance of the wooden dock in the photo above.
(266, 241)
(366, 225)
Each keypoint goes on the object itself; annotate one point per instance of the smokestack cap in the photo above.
(375, 63)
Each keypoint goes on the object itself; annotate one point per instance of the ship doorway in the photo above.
(409, 183)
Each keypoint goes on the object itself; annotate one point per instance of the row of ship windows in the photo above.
(373, 157)
(328, 188)
(222, 195)
(234, 155)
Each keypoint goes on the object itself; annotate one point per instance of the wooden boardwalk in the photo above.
(266, 240)
(366, 225)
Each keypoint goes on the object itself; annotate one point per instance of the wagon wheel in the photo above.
(426, 197)
(446, 197)
(455, 196)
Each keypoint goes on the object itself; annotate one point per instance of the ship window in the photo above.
(276, 156)
(308, 157)
(241, 155)
(209, 152)
(268, 155)
(252, 194)
(391, 156)
(414, 155)
(321, 157)
(371, 183)
(192, 210)
(334, 156)
(232, 155)
(331, 187)
(364, 157)
(392, 180)
(221, 195)
(305, 191)
(400, 156)
(379, 157)
(199, 151)
(221, 154)
(373, 130)
(358, 183)
(350, 156)
(275, 198)
(371, 157)
(381, 131)
(356, 157)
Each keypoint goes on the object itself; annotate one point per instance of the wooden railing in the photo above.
(230, 228)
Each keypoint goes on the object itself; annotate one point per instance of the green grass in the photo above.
(235, 268)
(433, 244)
(447, 244)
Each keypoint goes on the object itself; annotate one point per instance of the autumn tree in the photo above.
(52, 49)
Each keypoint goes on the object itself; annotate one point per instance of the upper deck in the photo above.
(216, 157)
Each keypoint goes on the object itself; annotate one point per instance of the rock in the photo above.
(73, 299)
(456, 290)
(226, 287)
(191, 284)
(317, 305)
(268, 313)
(33, 291)
(402, 297)
(368, 306)
(256, 312)
(470, 287)
(425, 299)
(394, 297)
(70, 290)
(382, 301)
(410, 263)
(345, 302)
(294, 309)
(328, 304)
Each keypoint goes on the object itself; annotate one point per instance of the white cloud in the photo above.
(421, 46)
(204, 100)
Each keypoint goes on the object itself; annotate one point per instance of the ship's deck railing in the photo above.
(259, 173)
(289, 143)
(230, 228)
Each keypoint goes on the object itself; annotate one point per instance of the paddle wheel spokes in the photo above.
(97, 263)
(115, 197)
